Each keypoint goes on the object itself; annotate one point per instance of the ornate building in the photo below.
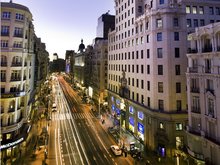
(17, 78)
(203, 91)
(149, 43)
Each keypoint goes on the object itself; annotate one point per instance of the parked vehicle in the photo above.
(116, 150)
(54, 107)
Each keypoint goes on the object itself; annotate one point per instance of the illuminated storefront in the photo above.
(140, 130)
(131, 124)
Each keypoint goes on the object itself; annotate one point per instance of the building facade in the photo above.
(17, 78)
(147, 51)
(203, 91)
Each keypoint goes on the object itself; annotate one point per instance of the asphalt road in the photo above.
(76, 136)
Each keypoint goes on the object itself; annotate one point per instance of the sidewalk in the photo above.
(149, 158)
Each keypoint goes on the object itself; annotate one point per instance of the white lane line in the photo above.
(56, 145)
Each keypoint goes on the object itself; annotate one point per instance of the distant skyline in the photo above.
(62, 24)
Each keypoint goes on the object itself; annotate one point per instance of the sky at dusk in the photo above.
(61, 24)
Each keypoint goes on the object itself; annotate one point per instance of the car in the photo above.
(116, 150)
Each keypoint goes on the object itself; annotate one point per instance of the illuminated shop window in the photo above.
(179, 127)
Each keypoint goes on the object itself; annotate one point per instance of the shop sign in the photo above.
(140, 115)
(131, 120)
(11, 144)
(113, 107)
(141, 128)
(131, 109)
(118, 111)
(112, 98)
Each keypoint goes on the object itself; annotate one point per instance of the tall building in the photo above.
(146, 69)
(106, 22)
(203, 91)
(17, 78)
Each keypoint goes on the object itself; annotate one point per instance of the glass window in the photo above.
(148, 69)
(4, 43)
(201, 10)
(176, 36)
(178, 105)
(160, 105)
(217, 10)
(161, 126)
(159, 52)
(177, 52)
(211, 107)
(175, 22)
(148, 85)
(161, 2)
(177, 69)
(178, 87)
(160, 69)
(187, 9)
(189, 23)
(159, 36)
(160, 87)
(194, 10)
(19, 16)
(195, 22)
(159, 23)
(179, 126)
(148, 53)
(211, 11)
(5, 30)
(202, 22)
(6, 15)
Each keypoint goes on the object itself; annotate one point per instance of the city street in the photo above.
(76, 136)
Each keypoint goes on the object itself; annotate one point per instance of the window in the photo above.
(18, 32)
(217, 10)
(6, 15)
(176, 36)
(148, 69)
(160, 105)
(161, 125)
(159, 52)
(187, 9)
(178, 105)
(179, 126)
(159, 36)
(177, 69)
(194, 10)
(210, 107)
(137, 68)
(142, 99)
(189, 23)
(147, 38)
(211, 11)
(137, 83)
(195, 104)
(161, 2)
(148, 85)
(147, 25)
(202, 22)
(19, 16)
(5, 31)
(142, 54)
(142, 68)
(175, 22)
(17, 44)
(4, 43)
(160, 87)
(201, 10)
(177, 52)
(178, 87)
(148, 101)
(142, 84)
(159, 23)
(195, 22)
(148, 53)
(160, 69)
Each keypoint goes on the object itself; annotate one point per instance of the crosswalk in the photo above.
(67, 116)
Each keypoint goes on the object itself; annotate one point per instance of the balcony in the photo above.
(3, 79)
(212, 91)
(4, 33)
(195, 110)
(193, 69)
(11, 128)
(3, 63)
(18, 35)
(16, 64)
(195, 90)
(207, 70)
(15, 78)
(190, 50)
(207, 49)
(12, 94)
